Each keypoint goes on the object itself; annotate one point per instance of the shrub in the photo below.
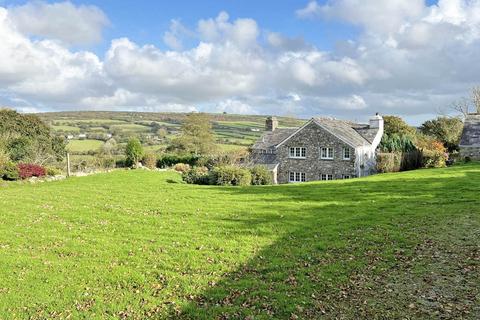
(434, 159)
(433, 152)
(260, 176)
(168, 160)
(27, 170)
(150, 160)
(196, 175)
(9, 171)
(181, 167)
(388, 162)
(133, 152)
(52, 171)
(120, 163)
(230, 176)
(398, 161)
(103, 161)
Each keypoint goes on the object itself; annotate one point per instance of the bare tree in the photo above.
(462, 106)
(467, 105)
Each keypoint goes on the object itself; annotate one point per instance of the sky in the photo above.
(342, 58)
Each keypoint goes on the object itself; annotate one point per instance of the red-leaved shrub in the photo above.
(27, 170)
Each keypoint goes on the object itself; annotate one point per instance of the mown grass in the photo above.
(84, 145)
(140, 244)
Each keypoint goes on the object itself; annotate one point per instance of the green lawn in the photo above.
(84, 145)
(141, 244)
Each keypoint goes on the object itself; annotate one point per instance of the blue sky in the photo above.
(145, 21)
(341, 58)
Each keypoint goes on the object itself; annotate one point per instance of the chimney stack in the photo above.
(271, 124)
(376, 121)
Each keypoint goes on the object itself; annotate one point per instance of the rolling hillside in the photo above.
(232, 132)
(141, 244)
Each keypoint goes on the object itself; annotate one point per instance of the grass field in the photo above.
(84, 145)
(141, 244)
(66, 128)
(130, 127)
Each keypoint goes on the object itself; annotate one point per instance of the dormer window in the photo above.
(326, 153)
(346, 153)
(298, 152)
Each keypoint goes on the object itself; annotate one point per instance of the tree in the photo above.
(466, 105)
(196, 136)
(444, 129)
(109, 147)
(133, 152)
(162, 133)
(396, 125)
(26, 138)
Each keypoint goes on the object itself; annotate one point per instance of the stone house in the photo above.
(470, 140)
(321, 149)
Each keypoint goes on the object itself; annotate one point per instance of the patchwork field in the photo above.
(141, 244)
(232, 132)
(84, 145)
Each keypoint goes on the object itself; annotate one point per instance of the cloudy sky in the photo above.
(342, 58)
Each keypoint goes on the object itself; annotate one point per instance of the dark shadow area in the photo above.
(338, 250)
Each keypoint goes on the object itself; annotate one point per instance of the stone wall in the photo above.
(313, 138)
(472, 152)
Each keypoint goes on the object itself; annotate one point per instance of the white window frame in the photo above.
(296, 177)
(346, 176)
(326, 177)
(297, 152)
(344, 151)
(329, 153)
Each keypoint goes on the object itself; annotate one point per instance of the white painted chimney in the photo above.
(376, 122)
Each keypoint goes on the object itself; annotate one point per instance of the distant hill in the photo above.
(232, 131)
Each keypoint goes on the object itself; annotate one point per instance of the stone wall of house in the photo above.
(472, 152)
(313, 138)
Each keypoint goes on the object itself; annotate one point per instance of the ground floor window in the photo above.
(297, 177)
(326, 177)
(346, 176)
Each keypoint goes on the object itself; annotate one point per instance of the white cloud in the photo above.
(76, 25)
(407, 61)
(242, 32)
(374, 15)
(174, 36)
(234, 106)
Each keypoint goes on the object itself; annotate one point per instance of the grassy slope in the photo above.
(140, 244)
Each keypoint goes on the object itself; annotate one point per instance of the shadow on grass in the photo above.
(339, 236)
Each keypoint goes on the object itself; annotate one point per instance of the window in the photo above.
(346, 176)
(297, 152)
(326, 153)
(346, 153)
(326, 177)
(297, 177)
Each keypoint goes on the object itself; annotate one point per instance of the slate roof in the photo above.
(270, 139)
(344, 130)
(471, 131)
(352, 133)
(366, 132)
